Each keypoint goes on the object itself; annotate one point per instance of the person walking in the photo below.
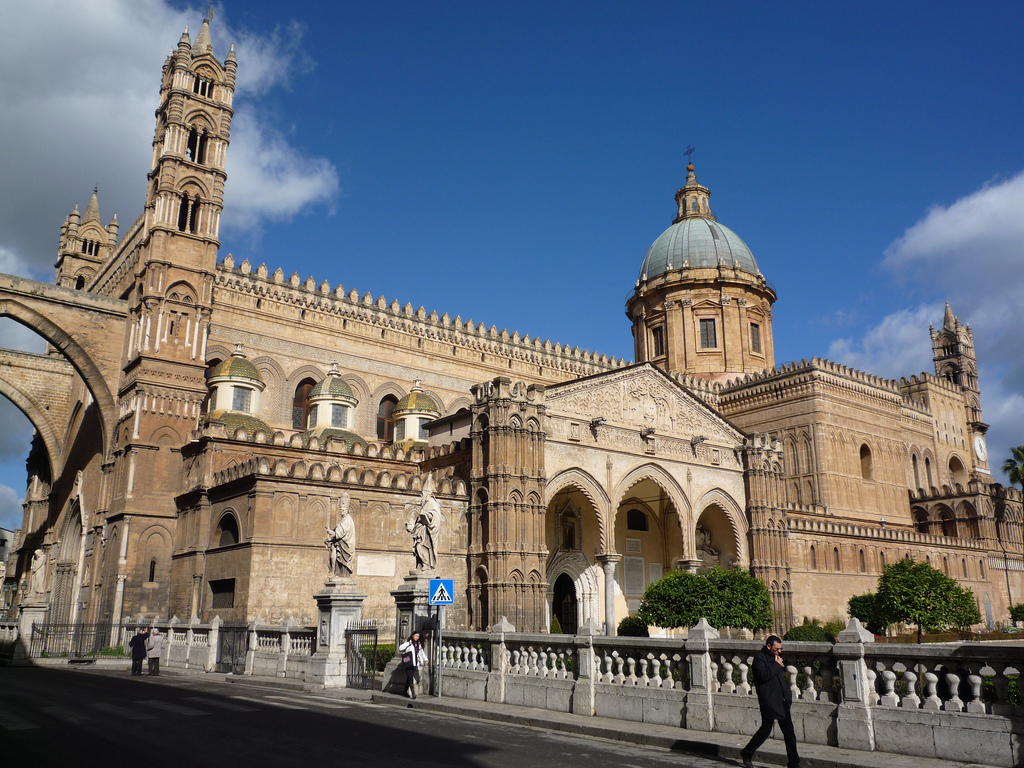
(775, 698)
(413, 656)
(154, 647)
(138, 646)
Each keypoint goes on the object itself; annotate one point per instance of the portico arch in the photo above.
(721, 517)
(584, 578)
(663, 480)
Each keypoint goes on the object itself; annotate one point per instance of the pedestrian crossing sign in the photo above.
(442, 592)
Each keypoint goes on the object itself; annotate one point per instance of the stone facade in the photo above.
(200, 422)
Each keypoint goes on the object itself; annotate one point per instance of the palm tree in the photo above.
(1014, 466)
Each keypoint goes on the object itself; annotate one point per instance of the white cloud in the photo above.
(970, 253)
(10, 508)
(898, 346)
(81, 114)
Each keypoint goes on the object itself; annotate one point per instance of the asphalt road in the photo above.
(70, 718)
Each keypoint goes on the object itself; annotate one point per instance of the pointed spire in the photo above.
(948, 321)
(202, 44)
(92, 211)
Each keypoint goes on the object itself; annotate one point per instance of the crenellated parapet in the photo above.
(331, 473)
(417, 323)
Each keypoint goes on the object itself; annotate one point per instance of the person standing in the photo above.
(413, 656)
(138, 646)
(154, 647)
(775, 699)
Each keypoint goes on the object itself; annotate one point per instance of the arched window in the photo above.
(917, 473)
(863, 562)
(957, 473)
(881, 560)
(636, 520)
(79, 283)
(928, 472)
(203, 87)
(386, 418)
(963, 566)
(835, 558)
(227, 531)
(945, 566)
(300, 404)
(152, 570)
(865, 462)
(949, 527)
(813, 559)
(188, 214)
(695, 205)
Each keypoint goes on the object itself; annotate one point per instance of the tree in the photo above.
(1017, 613)
(1014, 466)
(726, 598)
(915, 593)
(862, 607)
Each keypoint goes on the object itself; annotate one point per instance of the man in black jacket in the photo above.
(774, 697)
(138, 646)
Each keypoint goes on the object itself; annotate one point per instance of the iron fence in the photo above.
(72, 641)
(361, 639)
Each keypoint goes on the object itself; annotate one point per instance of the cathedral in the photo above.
(202, 422)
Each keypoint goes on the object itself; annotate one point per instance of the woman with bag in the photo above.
(413, 656)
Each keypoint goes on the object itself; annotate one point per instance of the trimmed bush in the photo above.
(633, 626)
(556, 625)
(810, 631)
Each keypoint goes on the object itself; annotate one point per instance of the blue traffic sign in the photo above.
(442, 592)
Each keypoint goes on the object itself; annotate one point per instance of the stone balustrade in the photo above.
(956, 701)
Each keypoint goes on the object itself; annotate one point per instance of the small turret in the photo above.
(185, 43)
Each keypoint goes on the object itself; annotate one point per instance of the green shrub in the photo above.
(556, 625)
(1017, 612)
(810, 631)
(633, 626)
(385, 652)
(112, 650)
(834, 627)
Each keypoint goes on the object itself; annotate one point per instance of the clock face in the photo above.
(979, 448)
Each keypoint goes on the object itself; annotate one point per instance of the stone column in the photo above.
(700, 701)
(338, 604)
(413, 614)
(583, 692)
(496, 677)
(608, 563)
(854, 728)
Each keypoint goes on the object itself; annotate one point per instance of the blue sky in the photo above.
(512, 163)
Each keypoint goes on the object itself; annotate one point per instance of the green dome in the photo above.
(322, 433)
(417, 401)
(332, 386)
(236, 365)
(697, 242)
(233, 420)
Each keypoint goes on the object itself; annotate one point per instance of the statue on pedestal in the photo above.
(341, 542)
(37, 581)
(424, 527)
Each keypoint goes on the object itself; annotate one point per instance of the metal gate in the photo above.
(232, 647)
(68, 641)
(361, 649)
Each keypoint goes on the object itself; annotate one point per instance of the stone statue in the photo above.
(341, 542)
(37, 582)
(424, 527)
(707, 554)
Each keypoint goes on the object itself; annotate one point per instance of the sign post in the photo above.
(442, 593)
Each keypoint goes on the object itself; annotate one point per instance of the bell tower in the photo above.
(169, 294)
(956, 361)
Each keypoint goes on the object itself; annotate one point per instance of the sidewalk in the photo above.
(723, 746)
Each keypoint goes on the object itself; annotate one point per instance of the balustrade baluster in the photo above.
(744, 686)
(793, 672)
(809, 693)
(728, 686)
(911, 700)
(872, 676)
(889, 698)
(631, 677)
(656, 679)
(955, 703)
(932, 700)
(534, 660)
(620, 665)
(976, 704)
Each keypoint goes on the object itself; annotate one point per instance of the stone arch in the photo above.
(384, 390)
(584, 576)
(457, 404)
(83, 363)
(67, 557)
(273, 394)
(40, 419)
(733, 513)
(586, 485)
(194, 185)
(662, 479)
